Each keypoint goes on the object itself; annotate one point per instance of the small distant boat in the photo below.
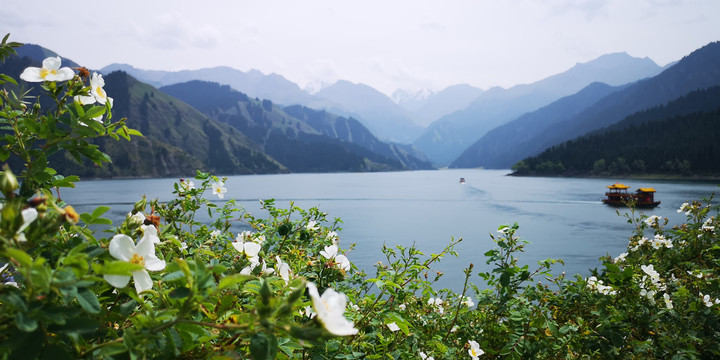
(618, 195)
(462, 180)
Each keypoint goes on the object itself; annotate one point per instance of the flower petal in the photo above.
(32, 74)
(153, 263)
(145, 247)
(334, 300)
(252, 249)
(142, 281)
(85, 100)
(29, 215)
(150, 232)
(315, 297)
(339, 326)
(329, 252)
(118, 281)
(238, 246)
(62, 74)
(343, 262)
(52, 63)
(122, 247)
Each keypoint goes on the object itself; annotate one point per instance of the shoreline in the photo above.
(661, 177)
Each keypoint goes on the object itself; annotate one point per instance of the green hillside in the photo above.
(302, 139)
(177, 138)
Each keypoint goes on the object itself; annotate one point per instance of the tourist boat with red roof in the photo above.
(618, 195)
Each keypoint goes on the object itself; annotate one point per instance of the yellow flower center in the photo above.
(45, 72)
(100, 91)
(137, 259)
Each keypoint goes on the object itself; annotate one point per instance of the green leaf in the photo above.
(112, 349)
(76, 325)
(233, 280)
(505, 279)
(99, 211)
(94, 112)
(120, 268)
(180, 293)
(62, 181)
(263, 346)
(24, 322)
(88, 301)
(133, 132)
(8, 79)
(288, 346)
(20, 256)
(175, 275)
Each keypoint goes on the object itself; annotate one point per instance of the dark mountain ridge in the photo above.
(681, 137)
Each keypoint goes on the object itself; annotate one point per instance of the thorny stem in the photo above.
(98, 346)
(468, 271)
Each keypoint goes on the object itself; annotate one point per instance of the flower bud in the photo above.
(8, 181)
(265, 293)
(140, 205)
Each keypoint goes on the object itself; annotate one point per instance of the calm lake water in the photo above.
(562, 218)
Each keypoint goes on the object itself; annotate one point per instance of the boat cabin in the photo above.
(646, 197)
(618, 195)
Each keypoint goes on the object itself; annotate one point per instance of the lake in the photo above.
(561, 217)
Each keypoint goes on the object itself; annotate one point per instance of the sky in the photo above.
(386, 44)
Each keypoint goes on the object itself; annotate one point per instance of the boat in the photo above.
(618, 195)
(462, 180)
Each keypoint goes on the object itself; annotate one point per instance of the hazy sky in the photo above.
(386, 44)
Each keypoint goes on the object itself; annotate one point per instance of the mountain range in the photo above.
(445, 139)
(593, 108)
(352, 127)
(179, 138)
(387, 119)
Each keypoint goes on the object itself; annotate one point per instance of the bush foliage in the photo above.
(162, 284)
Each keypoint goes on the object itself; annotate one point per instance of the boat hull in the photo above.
(624, 202)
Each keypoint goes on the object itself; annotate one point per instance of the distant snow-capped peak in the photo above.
(401, 96)
(314, 87)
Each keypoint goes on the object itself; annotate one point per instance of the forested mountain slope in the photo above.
(177, 138)
(302, 139)
(699, 70)
(680, 138)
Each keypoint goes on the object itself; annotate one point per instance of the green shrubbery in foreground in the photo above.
(163, 285)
